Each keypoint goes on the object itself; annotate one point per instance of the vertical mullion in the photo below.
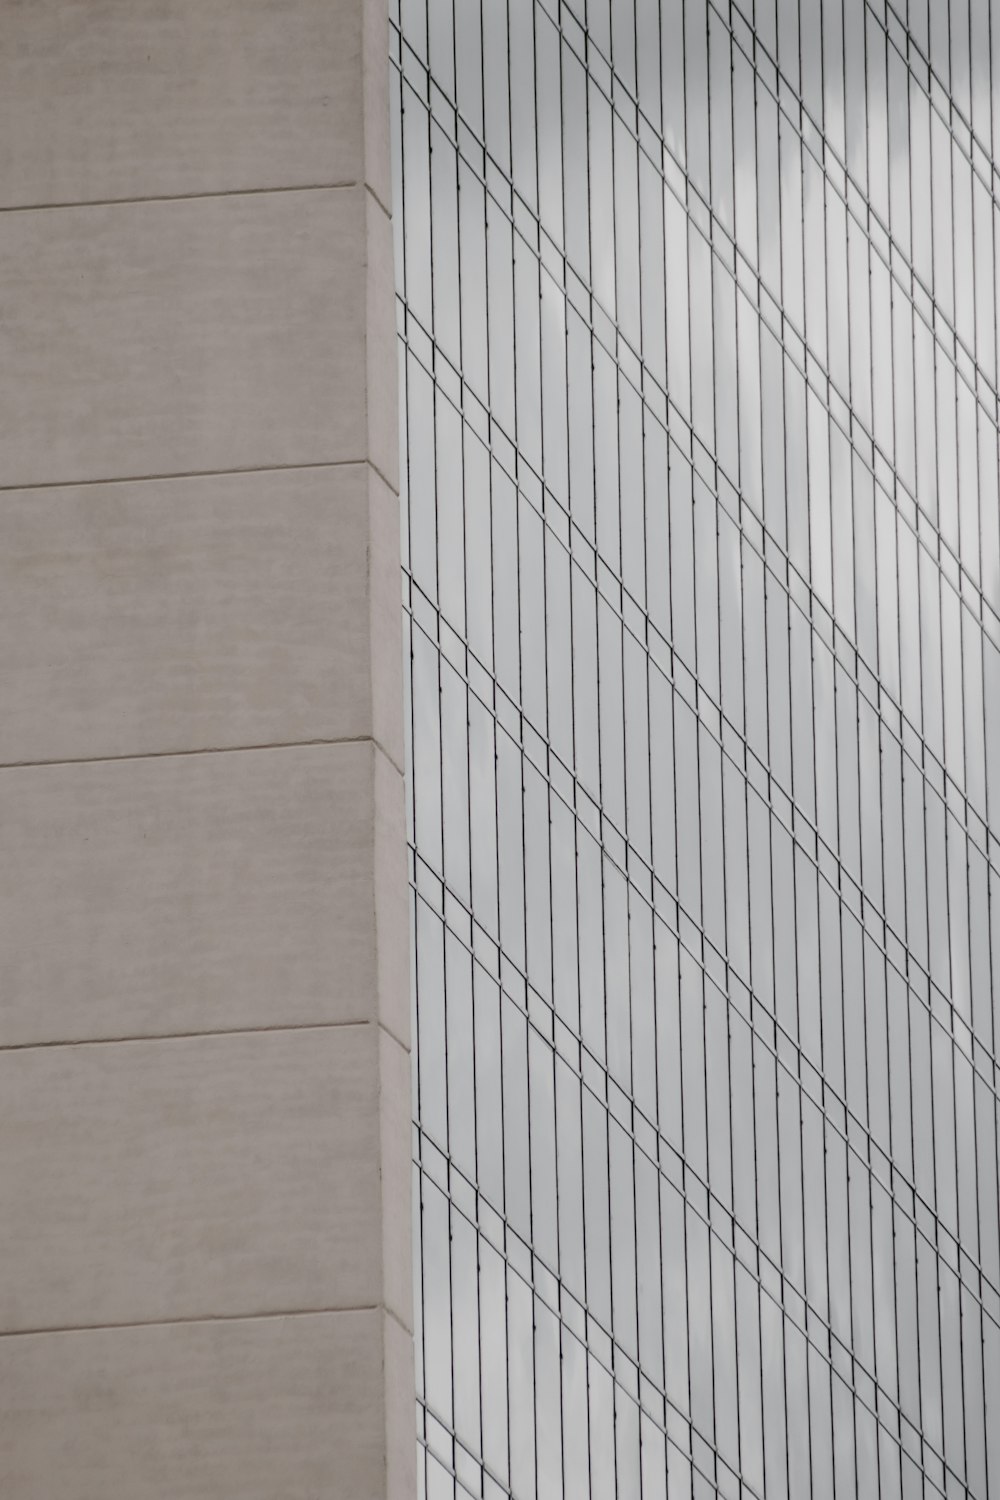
(549, 769)
(964, 1333)
(588, 44)
(613, 1238)
(987, 808)
(682, 42)
(727, 851)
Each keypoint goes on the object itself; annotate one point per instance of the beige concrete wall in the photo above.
(205, 1282)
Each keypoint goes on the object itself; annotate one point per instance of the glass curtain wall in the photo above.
(697, 311)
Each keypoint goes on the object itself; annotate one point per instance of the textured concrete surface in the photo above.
(381, 378)
(399, 1404)
(230, 1409)
(191, 1178)
(384, 604)
(392, 915)
(112, 99)
(395, 1177)
(189, 893)
(223, 610)
(154, 338)
(204, 987)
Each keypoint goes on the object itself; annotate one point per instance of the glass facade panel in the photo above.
(697, 313)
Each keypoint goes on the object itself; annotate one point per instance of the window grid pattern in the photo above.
(697, 310)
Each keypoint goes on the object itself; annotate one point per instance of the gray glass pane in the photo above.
(701, 539)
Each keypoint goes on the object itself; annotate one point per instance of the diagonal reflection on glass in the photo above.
(697, 310)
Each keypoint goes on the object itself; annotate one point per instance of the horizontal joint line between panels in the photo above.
(279, 1029)
(250, 192)
(247, 1317)
(276, 745)
(356, 462)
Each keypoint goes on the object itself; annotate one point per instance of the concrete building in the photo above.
(205, 1284)
(686, 757)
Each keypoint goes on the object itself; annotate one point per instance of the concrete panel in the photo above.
(193, 614)
(112, 99)
(375, 65)
(209, 1176)
(395, 1117)
(392, 908)
(400, 1421)
(184, 337)
(187, 893)
(264, 1409)
(382, 375)
(385, 619)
